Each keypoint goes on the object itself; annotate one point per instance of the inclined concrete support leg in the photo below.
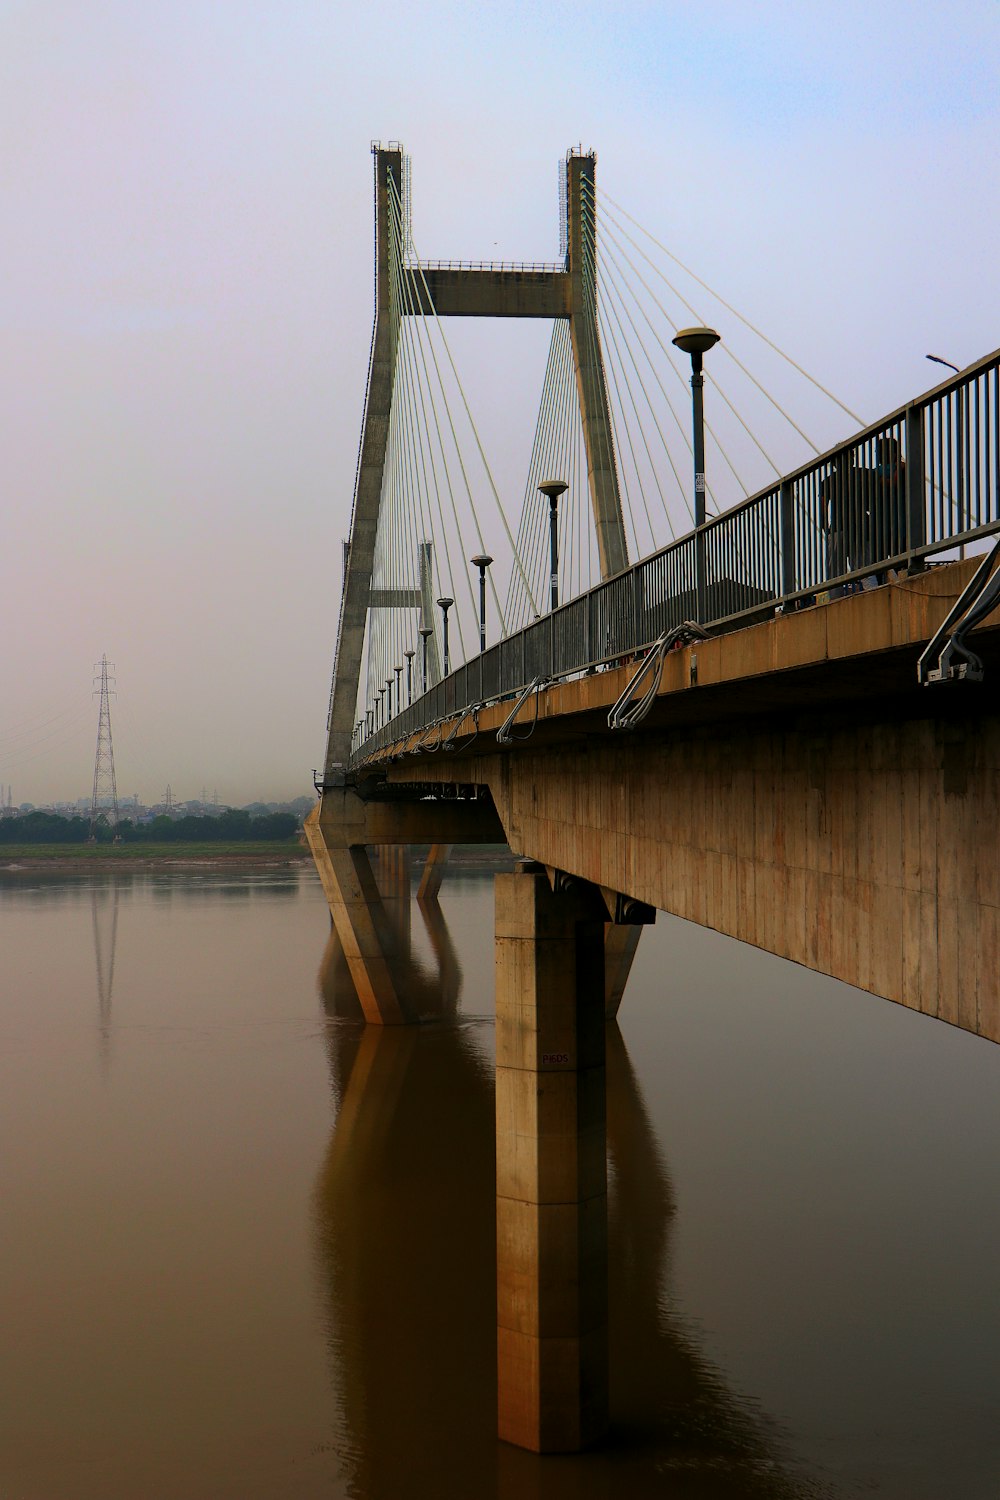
(620, 944)
(433, 873)
(356, 907)
(552, 1333)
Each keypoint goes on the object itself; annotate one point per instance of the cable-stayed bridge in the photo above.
(692, 676)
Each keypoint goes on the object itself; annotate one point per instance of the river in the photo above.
(246, 1245)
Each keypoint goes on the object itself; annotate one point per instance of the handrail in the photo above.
(978, 599)
(922, 481)
(546, 267)
(865, 434)
(505, 734)
(628, 714)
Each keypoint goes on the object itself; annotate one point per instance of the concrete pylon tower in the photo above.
(448, 289)
(588, 361)
(104, 803)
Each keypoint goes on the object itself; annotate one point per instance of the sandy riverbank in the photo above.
(123, 863)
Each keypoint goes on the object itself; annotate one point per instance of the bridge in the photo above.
(780, 723)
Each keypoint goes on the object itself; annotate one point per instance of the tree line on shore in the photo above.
(234, 826)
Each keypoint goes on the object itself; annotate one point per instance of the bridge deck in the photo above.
(861, 647)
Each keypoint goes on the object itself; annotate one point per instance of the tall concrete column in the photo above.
(591, 384)
(371, 468)
(552, 1334)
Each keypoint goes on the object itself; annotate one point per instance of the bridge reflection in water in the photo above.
(405, 1219)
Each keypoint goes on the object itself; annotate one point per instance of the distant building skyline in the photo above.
(129, 806)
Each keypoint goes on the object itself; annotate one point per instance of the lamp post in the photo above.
(959, 445)
(553, 488)
(409, 676)
(425, 633)
(482, 562)
(378, 712)
(697, 342)
(399, 691)
(444, 605)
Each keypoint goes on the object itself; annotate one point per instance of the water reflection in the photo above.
(405, 1235)
(104, 917)
(107, 893)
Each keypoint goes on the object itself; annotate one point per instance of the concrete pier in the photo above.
(340, 832)
(552, 1318)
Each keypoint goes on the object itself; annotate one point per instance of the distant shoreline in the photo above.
(76, 859)
(63, 860)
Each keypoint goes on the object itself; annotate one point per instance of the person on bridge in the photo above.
(889, 509)
(845, 496)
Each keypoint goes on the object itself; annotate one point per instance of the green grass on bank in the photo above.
(108, 853)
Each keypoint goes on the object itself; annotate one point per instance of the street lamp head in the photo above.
(481, 560)
(939, 361)
(696, 340)
(410, 654)
(553, 488)
(445, 603)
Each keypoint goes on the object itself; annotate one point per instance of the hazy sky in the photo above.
(186, 296)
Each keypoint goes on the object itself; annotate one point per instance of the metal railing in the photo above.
(549, 267)
(924, 480)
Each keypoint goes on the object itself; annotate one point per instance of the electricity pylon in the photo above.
(104, 804)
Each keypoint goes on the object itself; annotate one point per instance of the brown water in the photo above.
(246, 1246)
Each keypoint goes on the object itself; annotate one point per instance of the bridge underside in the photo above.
(804, 795)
